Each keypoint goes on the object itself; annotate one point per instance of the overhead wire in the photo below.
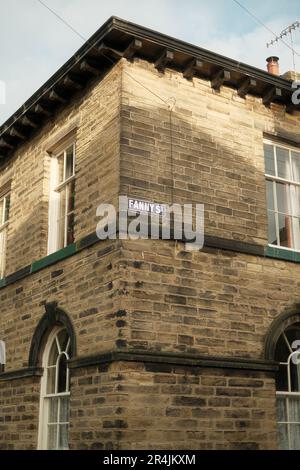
(169, 102)
(265, 26)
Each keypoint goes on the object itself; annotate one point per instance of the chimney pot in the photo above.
(273, 65)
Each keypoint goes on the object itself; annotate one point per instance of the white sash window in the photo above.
(282, 171)
(288, 388)
(55, 392)
(4, 218)
(62, 199)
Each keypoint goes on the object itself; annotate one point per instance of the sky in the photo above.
(34, 43)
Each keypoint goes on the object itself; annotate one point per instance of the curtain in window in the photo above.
(288, 415)
(288, 388)
(55, 392)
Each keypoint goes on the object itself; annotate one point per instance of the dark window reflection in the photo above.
(62, 374)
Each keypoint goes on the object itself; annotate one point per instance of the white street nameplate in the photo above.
(137, 205)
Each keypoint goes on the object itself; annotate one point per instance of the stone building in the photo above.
(142, 344)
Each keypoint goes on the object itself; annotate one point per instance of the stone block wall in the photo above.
(190, 145)
(158, 406)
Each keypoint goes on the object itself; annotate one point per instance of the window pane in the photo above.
(63, 339)
(64, 410)
(60, 163)
(294, 409)
(63, 437)
(53, 410)
(283, 163)
(2, 251)
(281, 409)
(295, 436)
(270, 195)
(62, 208)
(272, 237)
(61, 233)
(62, 374)
(1, 211)
(51, 373)
(296, 166)
(61, 219)
(71, 196)
(282, 379)
(69, 162)
(269, 159)
(70, 229)
(52, 435)
(282, 351)
(7, 207)
(295, 375)
(296, 232)
(285, 232)
(295, 200)
(282, 193)
(283, 443)
(293, 334)
(53, 355)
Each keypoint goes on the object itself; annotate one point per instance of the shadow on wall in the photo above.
(205, 156)
(172, 158)
(211, 302)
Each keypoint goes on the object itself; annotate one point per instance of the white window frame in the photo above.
(288, 182)
(289, 393)
(55, 195)
(3, 234)
(44, 396)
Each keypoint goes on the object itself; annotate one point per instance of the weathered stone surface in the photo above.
(151, 295)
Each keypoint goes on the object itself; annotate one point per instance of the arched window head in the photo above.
(287, 353)
(52, 317)
(55, 391)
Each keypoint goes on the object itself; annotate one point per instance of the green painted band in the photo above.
(53, 258)
(280, 253)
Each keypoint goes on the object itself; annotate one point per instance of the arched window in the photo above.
(287, 353)
(55, 391)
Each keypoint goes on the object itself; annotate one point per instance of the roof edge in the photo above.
(125, 39)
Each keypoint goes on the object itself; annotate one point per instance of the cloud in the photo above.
(251, 47)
